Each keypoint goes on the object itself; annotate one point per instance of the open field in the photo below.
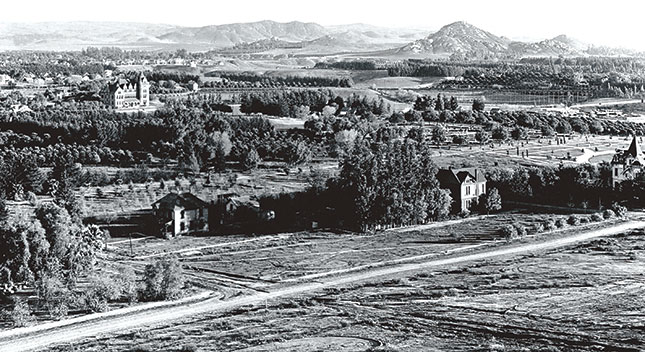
(543, 151)
(557, 292)
(399, 82)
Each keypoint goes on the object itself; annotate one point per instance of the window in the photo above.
(467, 190)
(483, 188)
(615, 172)
(183, 214)
(201, 212)
(182, 227)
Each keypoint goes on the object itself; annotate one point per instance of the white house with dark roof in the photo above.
(627, 163)
(180, 214)
(465, 185)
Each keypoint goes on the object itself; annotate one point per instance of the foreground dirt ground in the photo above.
(584, 295)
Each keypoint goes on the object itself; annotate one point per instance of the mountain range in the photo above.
(297, 37)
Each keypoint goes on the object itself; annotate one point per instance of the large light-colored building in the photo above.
(179, 214)
(627, 163)
(125, 94)
(465, 186)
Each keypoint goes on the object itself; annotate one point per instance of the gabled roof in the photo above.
(634, 148)
(632, 155)
(458, 176)
(185, 200)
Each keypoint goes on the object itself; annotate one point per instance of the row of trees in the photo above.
(299, 104)
(265, 80)
(442, 109)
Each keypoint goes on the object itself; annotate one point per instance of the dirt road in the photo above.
(41, 337)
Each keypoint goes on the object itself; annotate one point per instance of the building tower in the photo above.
(143, 90)
(627, 163)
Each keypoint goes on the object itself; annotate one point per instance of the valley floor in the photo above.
(578, 289)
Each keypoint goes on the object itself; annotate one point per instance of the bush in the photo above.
(189, 348)
(573, 220)
(620, 210)
(549, 225)
(537, 228)
(164, 280)
(20, 315)
(596, 217)
(101, 290)
(250, 159)
(126, 281)
(521, 230)
(509, 232)
(55, 296)
(31, 197)
(608, 214)
(560, 223)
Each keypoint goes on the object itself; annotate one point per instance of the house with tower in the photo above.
(626, 164)
(127, 94)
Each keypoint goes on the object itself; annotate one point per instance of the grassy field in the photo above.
(584, 298)
(543, 151)
(398, 82)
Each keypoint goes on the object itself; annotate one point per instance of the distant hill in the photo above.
(292, 37)
(78, 35)
(464, 38)
(231, 34)
(457, 37)
(560, 45)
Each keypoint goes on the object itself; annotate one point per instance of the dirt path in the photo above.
(40, 337)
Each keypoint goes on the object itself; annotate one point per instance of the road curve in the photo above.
(17, 342)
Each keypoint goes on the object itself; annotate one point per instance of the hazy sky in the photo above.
(615, 23)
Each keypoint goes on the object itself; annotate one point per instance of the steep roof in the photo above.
(458, 176)
(185, 200)
(632, 155)
(126, 83)
(634, 148)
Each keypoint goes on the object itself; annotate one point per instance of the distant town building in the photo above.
(124, 94)
(465, 186)
(627, 163)
(179, 214)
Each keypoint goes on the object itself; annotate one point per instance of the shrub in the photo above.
(509, 232)
(608, 214)
(189, 348)
(573, 220)
(560, 223)
(55, 296)
(250, 159)
(20, 315)
(596, 217)
(126, 281)
(164, 280)
(549, 225)
(31, 197)
(537, 228)
(620, 210)
(101, 290)
(521, 230)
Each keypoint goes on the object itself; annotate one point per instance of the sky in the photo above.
(617, 23)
